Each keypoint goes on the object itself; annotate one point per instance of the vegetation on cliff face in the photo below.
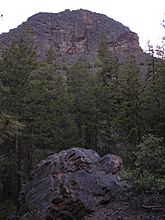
(110, 111)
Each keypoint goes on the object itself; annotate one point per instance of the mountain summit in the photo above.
(73, 34)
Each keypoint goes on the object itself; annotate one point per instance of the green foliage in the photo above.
(152, 149)
(80, 88)
(108, 61)
(8, 127)
(128, 122)
(6, 208)
(108, 111)
(155, 102)
(106, 88)
(47, 110)
(149, 170)
(16, 66)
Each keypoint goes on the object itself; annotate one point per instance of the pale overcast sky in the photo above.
(142, 16)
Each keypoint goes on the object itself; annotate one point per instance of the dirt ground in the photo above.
(124, 211)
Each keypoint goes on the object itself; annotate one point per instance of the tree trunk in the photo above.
(18, 164)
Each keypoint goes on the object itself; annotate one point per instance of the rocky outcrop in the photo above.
(70, 184)
(73, 34)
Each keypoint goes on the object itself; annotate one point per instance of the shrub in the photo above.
(149, 171)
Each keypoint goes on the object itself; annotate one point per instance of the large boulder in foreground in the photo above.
(70, 184)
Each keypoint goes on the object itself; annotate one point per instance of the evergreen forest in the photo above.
(116, 110)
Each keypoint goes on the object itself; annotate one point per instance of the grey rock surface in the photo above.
(70, 184)
(73, 34)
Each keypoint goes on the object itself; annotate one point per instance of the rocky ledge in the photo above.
(70, 184)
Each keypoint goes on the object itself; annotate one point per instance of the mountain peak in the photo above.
(74, 33)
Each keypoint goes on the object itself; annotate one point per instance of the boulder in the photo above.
(70, 184)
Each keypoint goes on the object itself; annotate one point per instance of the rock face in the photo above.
(73, 34)
(70, 184)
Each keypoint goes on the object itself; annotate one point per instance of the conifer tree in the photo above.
(154, 103)
(107, 85)
(128, 124)
(78, 79)
(16, 66)
(48, 113)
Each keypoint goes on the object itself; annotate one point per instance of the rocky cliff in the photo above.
(73, 34)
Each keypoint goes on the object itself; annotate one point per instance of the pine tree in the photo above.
(108, 61)
(78, 79)
(48, 116)
(107, 85)
(16, 66)
(128, 124)
(8, 127)
(154, 102)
